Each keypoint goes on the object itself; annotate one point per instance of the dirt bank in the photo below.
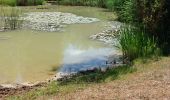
(151, 81)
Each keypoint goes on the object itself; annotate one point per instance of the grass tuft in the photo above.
(137, 44)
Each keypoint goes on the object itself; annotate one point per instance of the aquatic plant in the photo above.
(135, 43)
(10, 18)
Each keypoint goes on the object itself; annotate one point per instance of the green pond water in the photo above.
(29, 56)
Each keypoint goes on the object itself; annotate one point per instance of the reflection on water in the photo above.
(30, 55)
(76, 59)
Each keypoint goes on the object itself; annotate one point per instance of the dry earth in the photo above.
(150, 82)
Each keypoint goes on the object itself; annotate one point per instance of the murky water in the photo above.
(27, 55)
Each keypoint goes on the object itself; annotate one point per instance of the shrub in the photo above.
(128, 12)
(114, 4)
(35, 2)
(99, 3)
(8, 2)
(155, 15)
(21, 2)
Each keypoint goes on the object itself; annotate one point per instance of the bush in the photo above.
(8, 2)
(114, 4)
(30, 2)
(98, 3)
(35, 2)
(135, 44)
(128, 12)
(21, 2)
(155, 14)
(80, 2)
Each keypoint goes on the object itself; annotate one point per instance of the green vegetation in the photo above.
(21, 2)
(127, 13)
(10, 20)
(79, 81)
(135, 43)
(153, 15)
(52, 89)
(8, 2)
(98, 76)
(30, 2)
(145, 36)
(110, 4)
(81, 2)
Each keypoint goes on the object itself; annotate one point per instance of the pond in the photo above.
(30, 55)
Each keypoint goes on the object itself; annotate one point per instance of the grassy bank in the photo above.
(136, 78)
(78, 82)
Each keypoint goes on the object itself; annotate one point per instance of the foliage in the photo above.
(135, 43)
(128, 12)
(79, 81)
(10, 18)
(110, 4)
(153, 15)
(114, 4)
(79, 2)
(8, 2)
(21, 2)
(99, 76)
(35, 2)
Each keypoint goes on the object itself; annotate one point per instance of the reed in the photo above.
(10, 18)
(21, 2)
(135, 43)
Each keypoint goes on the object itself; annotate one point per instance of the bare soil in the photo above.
(150, 82)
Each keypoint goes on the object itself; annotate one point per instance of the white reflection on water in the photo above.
(76, 59)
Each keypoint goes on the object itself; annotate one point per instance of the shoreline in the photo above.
(104, 36)
(14, 89)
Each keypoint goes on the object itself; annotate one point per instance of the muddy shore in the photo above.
(105, 36)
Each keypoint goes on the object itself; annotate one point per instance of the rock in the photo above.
(108, 35)
(52, 21)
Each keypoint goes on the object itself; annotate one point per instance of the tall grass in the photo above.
(135, 43)
(128, 12)
(110, 4)
(8, 2)
(80, 2)
(21, 2)
(114, 4)
(35, 2)
(10, 18)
